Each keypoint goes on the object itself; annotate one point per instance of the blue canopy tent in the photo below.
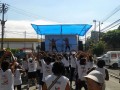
(64, 29)
(61, 31)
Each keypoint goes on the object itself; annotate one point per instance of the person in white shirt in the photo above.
(32, 68)
(95, 80)
(82, 71)
(65, 61)
(90, 62)
(39, 70)
(25, 65)
(17, 77)
(62, 82)
(6, 77)
(73, 64)
(46, 67)
(100, 67)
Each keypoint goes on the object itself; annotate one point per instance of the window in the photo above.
(113, 56)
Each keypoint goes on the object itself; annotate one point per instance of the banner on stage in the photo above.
(61, 43)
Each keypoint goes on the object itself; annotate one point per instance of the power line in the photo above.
(23, 12)
(111, 25)
(27, 13)
(111, 14)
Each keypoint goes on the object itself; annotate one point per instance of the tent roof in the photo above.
(66, 29)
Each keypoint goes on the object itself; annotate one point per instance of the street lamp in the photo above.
(3, 10)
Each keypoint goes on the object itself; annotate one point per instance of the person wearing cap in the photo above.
(100, 67)
(95, 80)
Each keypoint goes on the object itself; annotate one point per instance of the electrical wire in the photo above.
(117, 21)
(111, 14)
(22, 12)
(113, 26)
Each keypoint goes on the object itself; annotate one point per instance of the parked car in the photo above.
(111, 58)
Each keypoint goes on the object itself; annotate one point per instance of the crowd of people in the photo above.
(54, 71)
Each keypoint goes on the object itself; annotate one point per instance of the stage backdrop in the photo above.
(60, 43)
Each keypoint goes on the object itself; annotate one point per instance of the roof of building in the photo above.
(21, 40)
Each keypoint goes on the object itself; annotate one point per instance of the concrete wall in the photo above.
(15, 45)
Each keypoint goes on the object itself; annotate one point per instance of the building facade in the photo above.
(16, 43)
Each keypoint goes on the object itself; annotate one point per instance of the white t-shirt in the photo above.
(32, 66)
(65, 62)
(82, 71)
(25, 65)
(38, 65)
(17, 77)
(47, 69)
(59, 85)
(90, 64)
(102, 70)
(6, 80)
(73, 62)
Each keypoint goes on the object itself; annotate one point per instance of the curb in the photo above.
(117, 77)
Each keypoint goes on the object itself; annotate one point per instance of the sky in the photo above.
(22, 13)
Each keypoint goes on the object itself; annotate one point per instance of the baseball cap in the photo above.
(96, 76)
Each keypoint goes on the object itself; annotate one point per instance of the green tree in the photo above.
(119, 28)
(99, 48)
(112, 38)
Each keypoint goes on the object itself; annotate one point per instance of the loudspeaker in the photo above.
(80, 45)
(42, 46)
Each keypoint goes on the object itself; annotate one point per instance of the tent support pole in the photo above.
(62, 39)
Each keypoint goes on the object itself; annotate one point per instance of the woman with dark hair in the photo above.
(57, 81)
(6, 77)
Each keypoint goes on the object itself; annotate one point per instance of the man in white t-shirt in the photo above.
(32, 68)
(62, 82)
(46, 67)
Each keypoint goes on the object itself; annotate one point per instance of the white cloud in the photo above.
(17, 29)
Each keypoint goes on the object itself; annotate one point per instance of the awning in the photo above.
(65, 29)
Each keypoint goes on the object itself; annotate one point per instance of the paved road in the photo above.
(113, 84)
(114, 71)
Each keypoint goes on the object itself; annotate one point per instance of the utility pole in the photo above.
(3, 10)
(85, 43)
(99, 30)
(25, 40)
